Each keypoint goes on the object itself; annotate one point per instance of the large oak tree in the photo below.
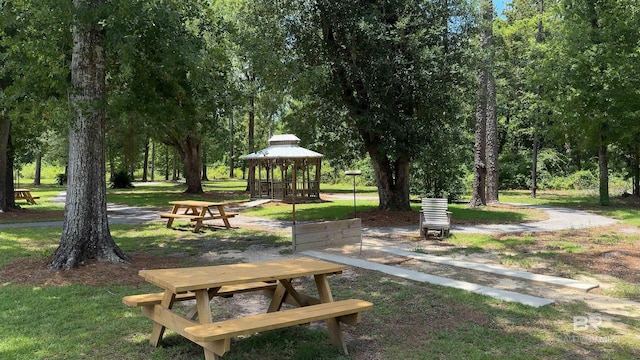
(85, 233)
(390, 69)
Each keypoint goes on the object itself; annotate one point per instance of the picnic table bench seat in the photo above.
(196, 217)
(225, 291)
(220, 333)
(226, 215)
(180, 216)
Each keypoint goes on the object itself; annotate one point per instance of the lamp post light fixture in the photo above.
(354, 173)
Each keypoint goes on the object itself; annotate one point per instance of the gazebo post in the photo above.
(272, 163)
(252, 177)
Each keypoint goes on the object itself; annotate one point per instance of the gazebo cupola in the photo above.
(272, 171)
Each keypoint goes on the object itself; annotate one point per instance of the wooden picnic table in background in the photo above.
(25, 194)
(197, 211)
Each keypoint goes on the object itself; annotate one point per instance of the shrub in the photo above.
(579, 180)
(122, 180)
(61, 179)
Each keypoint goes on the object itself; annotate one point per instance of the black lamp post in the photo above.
(354, 173)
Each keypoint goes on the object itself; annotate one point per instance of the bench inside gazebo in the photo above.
(272, 171)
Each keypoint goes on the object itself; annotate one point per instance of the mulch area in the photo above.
(36, 272)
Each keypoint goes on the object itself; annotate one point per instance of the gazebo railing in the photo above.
(283, 190)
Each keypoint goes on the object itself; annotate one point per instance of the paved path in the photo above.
(504, 295)
(559, 219)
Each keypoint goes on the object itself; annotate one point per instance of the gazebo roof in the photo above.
(283, 147)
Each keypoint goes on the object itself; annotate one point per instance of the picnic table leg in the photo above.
(322, 283)
(299, 299)
(278, 298)
(173, 211)
(224, 216)
(30, 199)
(204, 317)
(202, 213)
(158, 329)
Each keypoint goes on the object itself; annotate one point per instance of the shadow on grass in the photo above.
(156, 239)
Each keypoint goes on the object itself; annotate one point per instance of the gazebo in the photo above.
(272, 170)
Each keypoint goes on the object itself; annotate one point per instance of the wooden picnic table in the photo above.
(197, 211)
(25, 194)
(274, 278)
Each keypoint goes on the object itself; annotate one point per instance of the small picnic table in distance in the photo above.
(25, 194)
(197, 211)
(274, 278)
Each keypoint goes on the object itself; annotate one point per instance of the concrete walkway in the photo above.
(493, 269)
(504, 295)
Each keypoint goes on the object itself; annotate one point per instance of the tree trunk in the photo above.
(392, 179)
(231, 148)
(603, 165)
(636, 171)
(204, 166)
(112, 168)
(176, 174)
(492, 139)
(85, 232)
(145, 161)
(485, 118)
(6, 173)
(534, 165)
(166, 163)
(191, 157)
(38, 171)
(252, 170)
(10, 186)
(492, 148)
(153, 161)
(534, 160)
(479, 169)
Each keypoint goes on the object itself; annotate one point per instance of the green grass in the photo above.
(410, 320)
(625, 211)
(625, 290)
(570, 199)
(333, 210)
(21, 242)
(627, 215)
(161, 194)
(495, 215)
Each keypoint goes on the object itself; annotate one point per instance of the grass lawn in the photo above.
(75, 317)
(410, 320)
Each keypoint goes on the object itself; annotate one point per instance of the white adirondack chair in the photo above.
(434, 216)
